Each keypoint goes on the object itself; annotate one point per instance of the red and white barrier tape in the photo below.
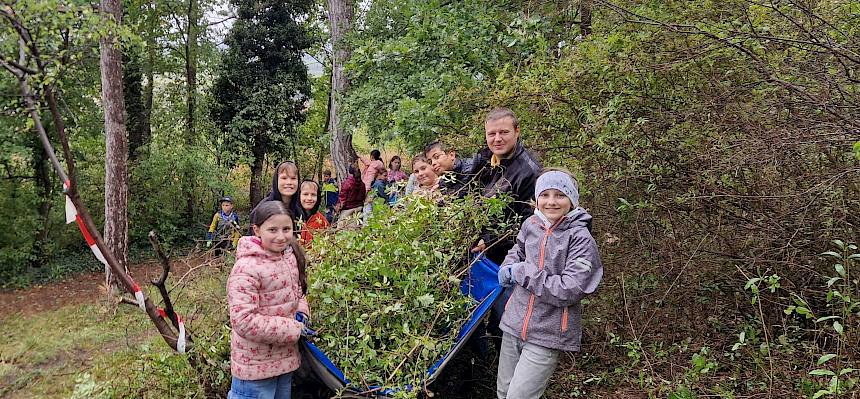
(138, 295)
(73, 216)
(180, 340)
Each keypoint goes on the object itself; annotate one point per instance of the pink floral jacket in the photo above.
(264, 294)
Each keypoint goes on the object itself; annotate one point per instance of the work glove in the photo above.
(303, 318)
(209, 244)
(506, 276)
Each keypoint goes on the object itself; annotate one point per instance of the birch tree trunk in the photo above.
(116, 147)
(341, 14)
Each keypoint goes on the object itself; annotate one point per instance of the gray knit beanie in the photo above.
(560, 181)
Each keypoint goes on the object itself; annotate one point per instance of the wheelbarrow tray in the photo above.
(481, 284)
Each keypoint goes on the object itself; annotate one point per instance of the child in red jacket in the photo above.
(310, 218)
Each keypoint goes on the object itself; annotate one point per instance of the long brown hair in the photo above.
(271, 208)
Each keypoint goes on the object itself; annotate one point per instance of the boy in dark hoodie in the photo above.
(454, 173)
(553, 265)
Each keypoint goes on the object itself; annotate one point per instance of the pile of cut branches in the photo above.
(386, 298)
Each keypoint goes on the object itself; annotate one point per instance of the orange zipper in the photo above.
(540, 267)
(564, 319)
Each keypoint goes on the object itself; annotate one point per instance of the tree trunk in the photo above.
(259, 153)
(116, 147)
(190, 97)
(132, 86)
(191, 71)
(45, 192)
(146, 122)
(341, 15)
(585, 7)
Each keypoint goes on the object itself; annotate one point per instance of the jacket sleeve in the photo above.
(345, 189)
(517, 253)
(211, 234)
(243, 297)
(582, 273)
(303, 306)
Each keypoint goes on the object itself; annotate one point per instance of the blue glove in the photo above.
(303, 318)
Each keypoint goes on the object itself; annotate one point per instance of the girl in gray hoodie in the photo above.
(554, 264)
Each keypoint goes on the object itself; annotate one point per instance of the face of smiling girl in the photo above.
(553, 204)
(275, 233)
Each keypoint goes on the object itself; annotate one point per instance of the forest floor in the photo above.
(52, 334)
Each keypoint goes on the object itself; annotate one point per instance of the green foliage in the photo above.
(410, 55)
(386, 297)
(262, 83)
(840, 320)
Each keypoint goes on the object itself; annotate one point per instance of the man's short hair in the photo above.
(326, 172)
(502, 112)
(440, 145)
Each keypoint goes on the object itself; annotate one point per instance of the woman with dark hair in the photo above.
(371, 168)
(285, 185)
(352, 194)
(394, 173)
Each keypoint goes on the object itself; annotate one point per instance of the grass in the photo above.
(41, 353)
(88, 351)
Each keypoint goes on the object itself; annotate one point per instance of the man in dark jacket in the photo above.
(505, 166)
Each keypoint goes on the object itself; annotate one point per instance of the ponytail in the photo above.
(301, 264)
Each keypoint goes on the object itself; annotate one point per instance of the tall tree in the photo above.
(262, 88)
(116, 144)
(340, 15)
(191, 31)
(136, 113)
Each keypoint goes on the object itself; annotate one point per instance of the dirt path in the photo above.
(79, 289)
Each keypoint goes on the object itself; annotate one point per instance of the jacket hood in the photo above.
(294, 206)
(301, 213)
(578, 217)
(252, 247)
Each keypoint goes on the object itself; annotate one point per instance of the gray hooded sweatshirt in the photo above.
(557, 266)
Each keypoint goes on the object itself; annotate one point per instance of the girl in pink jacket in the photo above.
(268, 311)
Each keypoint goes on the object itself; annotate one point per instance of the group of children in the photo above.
(554, 264)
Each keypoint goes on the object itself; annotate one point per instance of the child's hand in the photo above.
(506, 278)
(303, 318)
